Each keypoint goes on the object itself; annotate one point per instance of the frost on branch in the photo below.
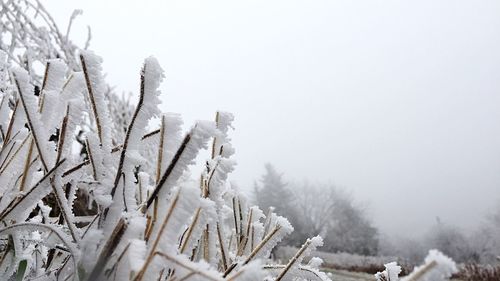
(89, 190)
(123, 209)
(391, 272)
(436, 267)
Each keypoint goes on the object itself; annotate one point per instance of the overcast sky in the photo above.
(397, 101)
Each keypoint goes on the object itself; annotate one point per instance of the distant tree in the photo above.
(332, 213)
(486, 240)
(273, 192)
(410, 251)
(351, 230)
(451, 241)
(479, 246)
(314, 205)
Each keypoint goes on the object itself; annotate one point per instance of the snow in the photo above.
(391, 272)
(436, 267)
(201, 226)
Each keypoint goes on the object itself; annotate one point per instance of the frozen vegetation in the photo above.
(90, 190)
(144, 216)
(82, 200)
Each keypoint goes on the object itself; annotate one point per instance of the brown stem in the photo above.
(262, 243)
(14, 203)
(62, 134)
(30, 123)
(150, 257)
(91, 160)
(92, 98)
(26, 166)
(108, 249)
(221, 244)
(421, 272)
(169, 170)
(192, 269)
(293, 260)
(190, 230)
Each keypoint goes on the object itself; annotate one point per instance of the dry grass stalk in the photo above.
(293, 260)
(215, 138)
(169, 170)
(181, 264)
(62, 134)
(221, 245)
(160, 149)
(90, 92)
(91, 160)
(14, 203)
(36, 139)
(108, 249)
(41, 100)
(140, 104)
(187, 237)
(11, 158)
(163, 226)
(6, 140)
(262, 244)
(419, 274)
(27, 165)
(113, 150)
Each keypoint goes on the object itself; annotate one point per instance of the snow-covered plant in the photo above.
(479, 272)
(391, 272)
(29, 36)
(436, 267)
(143, 217)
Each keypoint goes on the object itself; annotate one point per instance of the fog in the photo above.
(397, 101)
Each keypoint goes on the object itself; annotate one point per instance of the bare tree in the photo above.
(332, 213)
(486, 240)
(272, 192)
(451, 241)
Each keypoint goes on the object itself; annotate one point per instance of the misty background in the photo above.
(396, 101)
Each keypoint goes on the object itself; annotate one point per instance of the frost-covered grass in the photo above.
(476, 272)
(346, 266)
(90, 191)
(83, 199)
(147, 217)
(342, 261)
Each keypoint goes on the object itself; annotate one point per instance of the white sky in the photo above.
(398, 101)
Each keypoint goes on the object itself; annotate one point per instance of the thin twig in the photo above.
(30, 123)
(91, 159)
(422, 271)
(293, 260)
(62, 134)
(7, 211)
(190, 230)
(222, 251)
(92, 98)
(108, 249)
(181, 264)
(27, 165)
(150, 257)
(169, 170)
(262, 243)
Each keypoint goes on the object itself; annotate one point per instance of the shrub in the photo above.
(80, 201)
(477, 272)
